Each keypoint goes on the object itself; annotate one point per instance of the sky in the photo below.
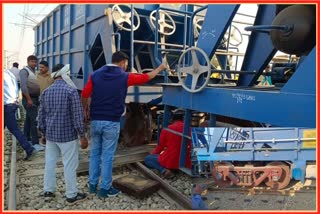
(18, 41)
(19, 38)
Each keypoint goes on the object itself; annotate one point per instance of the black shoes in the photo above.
(49, 195)
(77, 198)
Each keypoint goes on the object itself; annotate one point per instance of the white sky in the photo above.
(18, 42)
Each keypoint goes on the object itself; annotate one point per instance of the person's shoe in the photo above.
(92, 188)
(30, 156)
(168, 174)
(111, 192)
(48, 196)
(102, 193)
(77, 198)
(38, 147)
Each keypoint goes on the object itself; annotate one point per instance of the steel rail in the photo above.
(13, 171)
(173, 193)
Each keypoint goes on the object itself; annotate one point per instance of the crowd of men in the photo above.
(56, 116)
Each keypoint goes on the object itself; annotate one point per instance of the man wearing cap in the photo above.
(61, 121)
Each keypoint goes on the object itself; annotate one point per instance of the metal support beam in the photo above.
(185, 141)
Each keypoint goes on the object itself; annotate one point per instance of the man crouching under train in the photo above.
(165, 157)
(61, 121)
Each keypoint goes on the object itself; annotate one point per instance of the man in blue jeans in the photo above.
(10, 95)
(107, 87)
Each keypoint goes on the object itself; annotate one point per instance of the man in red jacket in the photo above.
(166, 155)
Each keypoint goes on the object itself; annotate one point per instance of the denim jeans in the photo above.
(104, 140)
(70, 158)
(11, 123)
(153, 162)
(30, 123)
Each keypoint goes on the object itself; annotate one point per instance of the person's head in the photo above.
(15, 64)
(178, 114)
(43, 67)
(32, 61)
(121, 59)
(57, 68)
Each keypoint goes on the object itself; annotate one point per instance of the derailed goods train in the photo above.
(252, 156)
(215, 54)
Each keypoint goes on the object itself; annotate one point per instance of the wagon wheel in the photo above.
(166, 24)
(197, 23)
(120, 17)
(218, 177)
(196, 70)
(283, 181)
(235, 36)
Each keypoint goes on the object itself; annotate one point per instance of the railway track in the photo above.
(294, 188)
(267, 191)
(26, 183)
(297, 196)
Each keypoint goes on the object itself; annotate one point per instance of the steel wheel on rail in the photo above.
(218, 176)
(284, 179)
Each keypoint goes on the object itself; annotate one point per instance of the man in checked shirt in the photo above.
(61, 121)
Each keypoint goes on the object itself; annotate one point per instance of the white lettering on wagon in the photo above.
(243, 97)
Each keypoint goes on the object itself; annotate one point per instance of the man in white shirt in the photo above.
(15, 70)
(10, 95)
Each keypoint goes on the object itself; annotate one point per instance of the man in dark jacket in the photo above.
(107, 87)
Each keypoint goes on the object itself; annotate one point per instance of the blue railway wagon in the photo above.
(250, 156)
(85, 36)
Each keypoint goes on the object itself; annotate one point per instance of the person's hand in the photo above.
(29, 102)
(163, 66)
(83, 142)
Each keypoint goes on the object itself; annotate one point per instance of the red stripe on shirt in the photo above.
(137, 79)
(87, 90)
(133, 79)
